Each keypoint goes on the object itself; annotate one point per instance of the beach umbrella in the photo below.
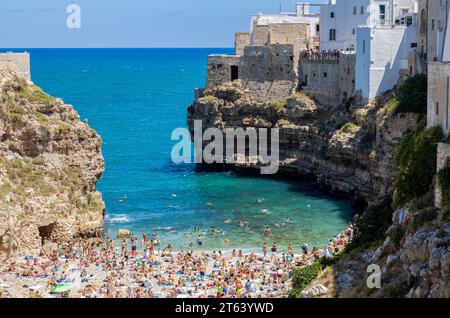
(59, 289)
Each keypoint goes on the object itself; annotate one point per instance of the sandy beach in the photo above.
(99, 269)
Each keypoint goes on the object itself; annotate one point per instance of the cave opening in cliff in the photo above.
(45, 232)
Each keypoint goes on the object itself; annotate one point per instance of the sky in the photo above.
(130, 23)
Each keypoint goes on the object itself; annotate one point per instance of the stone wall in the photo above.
(268, 71)
(241, 41)
(328, 80)
(17, 62)
(436, 27)
(297, 34)
(438, 95)
(443, 160)
(219, 69)
(290, 33)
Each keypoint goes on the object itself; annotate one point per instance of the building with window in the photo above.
(340, 19)
(383, 48)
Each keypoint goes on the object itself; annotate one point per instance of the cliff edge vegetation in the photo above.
(50, 163)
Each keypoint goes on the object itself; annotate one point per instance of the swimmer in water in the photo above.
(227, 221)
(288, 220)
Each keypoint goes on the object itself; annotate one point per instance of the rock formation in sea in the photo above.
(50, 163)
(347, 149)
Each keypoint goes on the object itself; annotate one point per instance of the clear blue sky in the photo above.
(130, 23)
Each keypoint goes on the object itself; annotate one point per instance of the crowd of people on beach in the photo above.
(145, 269)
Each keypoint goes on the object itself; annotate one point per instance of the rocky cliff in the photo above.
(348, 149)
(50, 163)
(353, 149)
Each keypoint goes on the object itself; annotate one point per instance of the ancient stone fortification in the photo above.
(49, 166)
(328, 79)
(219, 69)
(268, 71)
(16, 62)
(241, 41)
(296, 34)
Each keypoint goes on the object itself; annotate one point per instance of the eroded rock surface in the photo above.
(50, 163)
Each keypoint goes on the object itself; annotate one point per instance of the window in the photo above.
(364, 47)
(382, 12)
(325, 74)
(432, 24)
(317, 28)
(354, 31)
(362, 10)
(355, 10)
(234, 70)
(413, 45)
(332, 14)
(437, 108)
(332, 34)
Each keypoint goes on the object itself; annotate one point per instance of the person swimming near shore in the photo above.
(199, 241)
(288, 220)
(267, 231)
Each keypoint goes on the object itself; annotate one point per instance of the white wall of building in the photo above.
(379, 65)
(351, 14)
(363, 60)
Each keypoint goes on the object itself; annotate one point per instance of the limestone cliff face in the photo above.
(50, 163)
(414, 260)
(347, 150)
(350, 150)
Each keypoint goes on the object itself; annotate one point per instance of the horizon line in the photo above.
(106, 48)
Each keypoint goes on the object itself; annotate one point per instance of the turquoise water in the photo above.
(134, 99)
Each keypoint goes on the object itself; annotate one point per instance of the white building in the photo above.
(340, 19)
(381, 57)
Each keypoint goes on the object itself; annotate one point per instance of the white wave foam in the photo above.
(117, 218)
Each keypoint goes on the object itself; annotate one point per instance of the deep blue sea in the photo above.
(134, 98)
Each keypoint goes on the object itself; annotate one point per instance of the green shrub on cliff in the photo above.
(444, 184)
(396, 234)
(416, 158)
(412, 96)
(349, 128)
(277, 105)
(372, 225)
(423, 217)
(303, 277)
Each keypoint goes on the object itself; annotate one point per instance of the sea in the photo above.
(135, 98)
